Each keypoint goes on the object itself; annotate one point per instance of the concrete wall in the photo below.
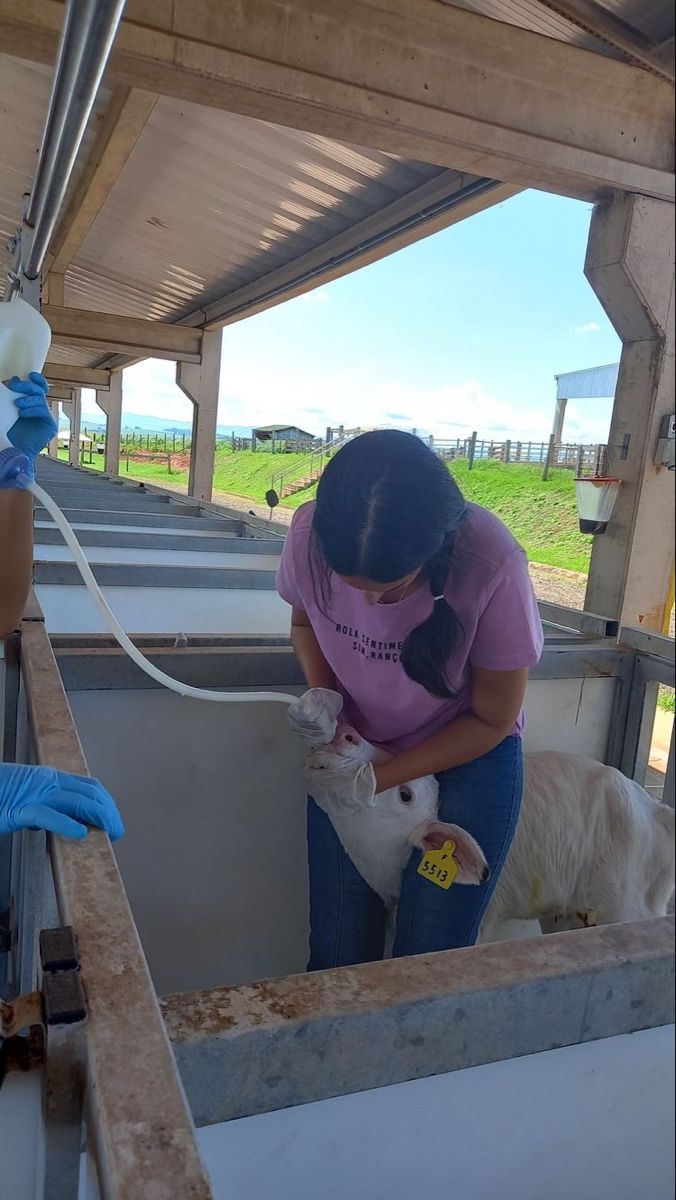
(208, 792)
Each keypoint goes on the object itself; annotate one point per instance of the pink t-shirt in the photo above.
(490, 592)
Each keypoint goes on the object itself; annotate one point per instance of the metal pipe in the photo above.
(86, 40)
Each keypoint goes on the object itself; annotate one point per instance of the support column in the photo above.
(73, 410)
(559, 417)
(53, 447)
(630, 265)
(200, 382)
(110, 402)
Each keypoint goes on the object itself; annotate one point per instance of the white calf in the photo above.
(591, 846)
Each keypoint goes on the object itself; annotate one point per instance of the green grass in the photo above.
(665, 699)
(542, 516)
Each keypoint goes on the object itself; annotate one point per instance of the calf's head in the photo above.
(412, 809)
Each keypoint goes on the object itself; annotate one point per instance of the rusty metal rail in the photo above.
(138, 1116)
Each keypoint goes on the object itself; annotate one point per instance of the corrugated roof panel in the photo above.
(24, 96)
(595, 383)
(652, 20)
(72, 356)
(530, 14)
(210, 200)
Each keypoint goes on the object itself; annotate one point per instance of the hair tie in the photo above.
(435, 598)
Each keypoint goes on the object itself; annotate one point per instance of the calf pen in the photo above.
(521, 1046)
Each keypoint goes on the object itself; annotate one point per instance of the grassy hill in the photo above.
(542, 516)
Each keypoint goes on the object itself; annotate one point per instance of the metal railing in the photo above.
(306, 471)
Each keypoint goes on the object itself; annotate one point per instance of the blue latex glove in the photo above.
(42, 798)
(36, 426)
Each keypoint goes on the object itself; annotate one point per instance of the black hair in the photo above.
(387, 506)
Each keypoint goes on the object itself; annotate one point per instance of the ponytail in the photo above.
(428, 647)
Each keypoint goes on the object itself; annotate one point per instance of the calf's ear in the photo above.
(468, 855)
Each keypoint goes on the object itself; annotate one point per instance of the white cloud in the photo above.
(361, 398)
(316, 296)
(588, 327)
(256, 393)
(149, 388)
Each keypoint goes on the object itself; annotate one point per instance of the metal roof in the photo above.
(211, 204)
(592, 384)
(211, 200)
(635, 30)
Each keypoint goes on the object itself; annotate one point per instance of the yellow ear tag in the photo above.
(439, 866)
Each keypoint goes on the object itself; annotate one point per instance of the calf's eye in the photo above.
(405, 795)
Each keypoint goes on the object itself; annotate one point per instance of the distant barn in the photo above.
(290, 437)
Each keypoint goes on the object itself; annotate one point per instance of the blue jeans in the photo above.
(348, 919)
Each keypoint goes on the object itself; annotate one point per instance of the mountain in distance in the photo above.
(142, 423)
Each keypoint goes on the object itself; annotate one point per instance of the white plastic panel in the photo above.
(70, 609)
(571, 715)
(156, 530)
(591, 1121)
(178, 558)
(214, 859)
(21, 1135)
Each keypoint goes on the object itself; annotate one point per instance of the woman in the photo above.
(38, 797)
(33, 430)
(417, 607)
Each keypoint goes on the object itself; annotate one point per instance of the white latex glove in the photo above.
(314, 716)
(337, 784)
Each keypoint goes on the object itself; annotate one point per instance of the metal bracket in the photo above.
(62, 992)
(19, 246)
(60, 1000)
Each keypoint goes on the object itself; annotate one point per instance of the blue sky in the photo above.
(464, 330)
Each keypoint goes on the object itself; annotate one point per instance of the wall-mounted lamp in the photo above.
(596, 496)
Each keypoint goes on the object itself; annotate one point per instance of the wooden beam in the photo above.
(124, 335)
(77, 376)
(122, 125)
(412, 77)
(60, 391)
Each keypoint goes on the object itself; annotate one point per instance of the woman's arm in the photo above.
(497, 699)
(314, 666)
(16, 556)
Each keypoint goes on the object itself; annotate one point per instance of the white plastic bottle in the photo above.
(24, 343)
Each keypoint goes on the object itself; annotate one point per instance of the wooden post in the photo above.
(550, 456)
(472, 451)
(580, 460)
(507, 451)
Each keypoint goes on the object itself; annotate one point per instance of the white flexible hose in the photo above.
(183, 689)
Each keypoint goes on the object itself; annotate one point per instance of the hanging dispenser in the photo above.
(596, 496)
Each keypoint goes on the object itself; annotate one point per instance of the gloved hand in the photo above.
(314, 716)
(36, 426)
(337, 784)
(42, 798)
